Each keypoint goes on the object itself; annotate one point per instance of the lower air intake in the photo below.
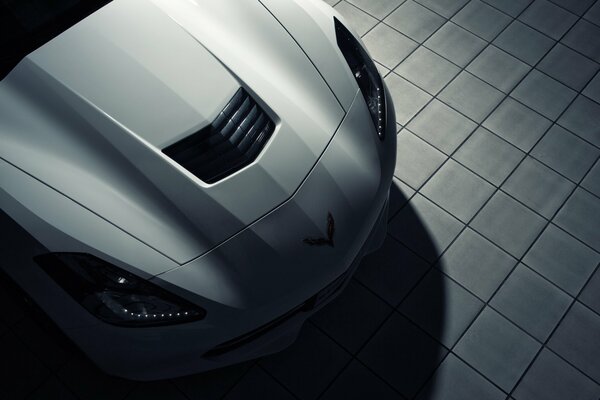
(234, 140)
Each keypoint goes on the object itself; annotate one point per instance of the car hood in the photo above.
(89, 113)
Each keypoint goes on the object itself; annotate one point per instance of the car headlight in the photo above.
(116, 296)
(366, 74)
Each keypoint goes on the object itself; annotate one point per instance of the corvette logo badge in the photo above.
(324, 241)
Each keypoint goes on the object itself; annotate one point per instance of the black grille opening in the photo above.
(233, 140)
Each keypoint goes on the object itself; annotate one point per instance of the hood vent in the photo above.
(232, 141)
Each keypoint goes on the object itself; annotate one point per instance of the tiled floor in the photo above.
(488, 284)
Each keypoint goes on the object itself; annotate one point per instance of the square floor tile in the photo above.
(548, 18)
(592, 90)
(308, 366)
(416, 160)
(392, 271)
(415, 21)
(551, 378)
(458, 190)
(481, 19)
(403, 355)
(562, 259)
(585, 38)
(489, 156)
(471, 96)
(531, 302)
(497, 348)
(578, 7)
(593, 14)
(357, 382)
(518, 124)
(580, 216)
(442, 126)
(55, 389)
(589, 296)
(352, 317)
(441, 307)
(592, 180)
(455, 380)
(569, 67)
(565, 153)
(576, 340)
(408, 99)
(425, 228)
(583, 118)
(379, 8)
(427, 70)
(544, 94)
(508, 224)
(524, 43)
(511, 7)
(360, 21)
(256, 384)
(387, 46)
(476, 263)
(447, 8)
(456, 44)
(538, 187)
(498, 68)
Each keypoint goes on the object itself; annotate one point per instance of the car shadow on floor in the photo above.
(378, 339)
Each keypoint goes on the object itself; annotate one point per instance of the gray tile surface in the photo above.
(524, 42)
(551, 378)
(592, 180)
(379, 9)
(576, 340)
(582, 119)
(498, 68)
(387, 46)
(455, 380)
(415, 21)
(585, 38)
(427, 70)
(425, 228)
(455, 43)
(566, 153)
(510, 7)
(518, 124)
(592, 90)
(481, 19)
(509, 224)
(458, 190)
(358, 19)
(408, 98)
(476, 263)
(544, 94)
(437, 295)
(548, 18)
(446, 8)
(562, 259)
(580, 216)
(416, 160)
(497, 348)
(531, 302)
(442, 126)
(569, 67)
(471, 96)
(538, 187)
(589, 296)
(493, 158)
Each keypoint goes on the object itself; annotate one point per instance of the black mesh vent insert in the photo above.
(232, 141)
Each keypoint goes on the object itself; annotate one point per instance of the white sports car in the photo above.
(184, 182)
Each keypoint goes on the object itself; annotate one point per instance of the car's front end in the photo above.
(152, 263)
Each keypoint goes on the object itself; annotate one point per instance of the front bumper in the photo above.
(259, 286)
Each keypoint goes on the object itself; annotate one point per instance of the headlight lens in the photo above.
(366, 74)
(116, 296)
